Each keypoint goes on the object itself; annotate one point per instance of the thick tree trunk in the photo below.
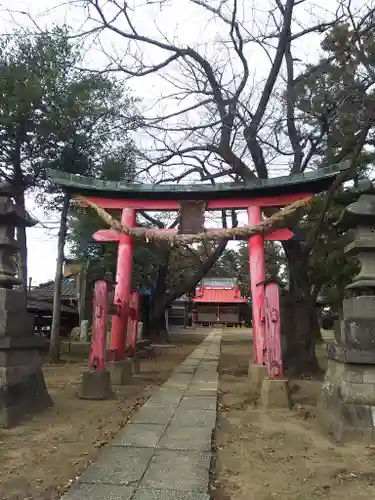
(162, 298)
(158, 328)
(300, 316)
(21, 240)
(54, 349)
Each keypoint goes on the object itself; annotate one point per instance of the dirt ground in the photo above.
(264, 455)
(40, 458)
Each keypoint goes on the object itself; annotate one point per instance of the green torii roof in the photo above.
(311, 182)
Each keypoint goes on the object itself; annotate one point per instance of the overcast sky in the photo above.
(191, 26)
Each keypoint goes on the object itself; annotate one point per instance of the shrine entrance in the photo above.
(191, 202)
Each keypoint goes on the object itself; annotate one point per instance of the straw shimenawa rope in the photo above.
(267, 226)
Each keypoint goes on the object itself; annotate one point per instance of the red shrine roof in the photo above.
(218, 294)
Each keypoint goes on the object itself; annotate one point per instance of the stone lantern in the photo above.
(22, 386)
(347, 404)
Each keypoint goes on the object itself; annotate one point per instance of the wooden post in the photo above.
(123, 286)
(82, 292)
(272, 330)
(132, 328)
(54, 348)
(257, 267)
(99, 326)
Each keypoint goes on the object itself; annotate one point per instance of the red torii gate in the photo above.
(128, 198)
(125, 256)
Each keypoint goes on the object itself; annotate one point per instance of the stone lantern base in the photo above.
(346, 407)
(22, 386)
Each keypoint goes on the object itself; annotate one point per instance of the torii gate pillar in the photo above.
(123, 286)
(257, 266)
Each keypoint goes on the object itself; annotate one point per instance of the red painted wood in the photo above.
(106, 235)
(174, 205)
(100, 326)
(133, 319)
(111, 235)
(123, 286)
(219, 295)
(280, 235)
(257, 275)
(273, 340)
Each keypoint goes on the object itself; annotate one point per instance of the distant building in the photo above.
(40, 304)
(218, 301)
(179, 312)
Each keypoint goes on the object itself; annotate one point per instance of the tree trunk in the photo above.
(158, 329)
(19, 199)
(162, 299)
(300, 316)
(54, 349)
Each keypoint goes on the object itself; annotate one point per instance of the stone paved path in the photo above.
(165, 452)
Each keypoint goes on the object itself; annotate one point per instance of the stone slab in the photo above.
(153, 415)
(362, 307)
(165, 398)
(95, 385)
(361, 394)
(203, 393)
(182, 438)
(99, 492)
(200, 403)
(13, 300)
(139, 435)
(257, 373)
(181, 470)
(190, 362)
(349, 355)
(204, 386)
(358, 333)
(79, 348)
(18, 401)
(16, 323)
(194, 418)
(190, 369)
(136, 365)
(12, 375)
(177, 384)
(118, 465)
(206, 364)
(275, 394)
(143, 494)
(206, 376)
(121, 371)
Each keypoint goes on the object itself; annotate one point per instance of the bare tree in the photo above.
(219, 117)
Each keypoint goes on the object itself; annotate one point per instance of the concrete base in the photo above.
(121, 371)
(256, 374)
(22, 387)
(95, 385)
(275, 394)
(148, 352)
(136, 366)
(346, 405)
(305, 391)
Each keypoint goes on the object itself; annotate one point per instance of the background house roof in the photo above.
(219, 295)
(45, 290)
(38, 305)
(216, 281)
